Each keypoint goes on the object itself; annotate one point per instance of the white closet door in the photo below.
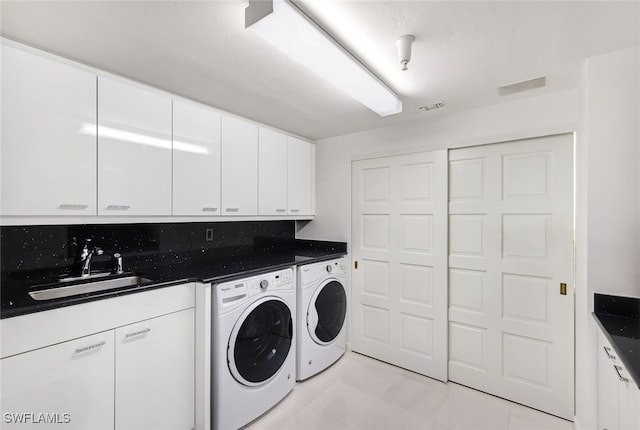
(399, 290)
(511, 248)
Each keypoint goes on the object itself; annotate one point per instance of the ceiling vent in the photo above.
(438, 105)
(518, 87)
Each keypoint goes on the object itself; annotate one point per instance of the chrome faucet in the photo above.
(84, 257)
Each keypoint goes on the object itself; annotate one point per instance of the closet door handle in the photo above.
(209, 209)
(117, 207)
(281, 210)
(295, 210)
(232, 209)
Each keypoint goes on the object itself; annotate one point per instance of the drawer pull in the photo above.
(209, 209)
(618, 369)
(607, 351)
(295, 210)
(72, 207)
(137, 333)
(90, 347)
(232, 209)
(118, 207)
(281, 210)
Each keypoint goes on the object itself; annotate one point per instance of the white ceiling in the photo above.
(200, 50)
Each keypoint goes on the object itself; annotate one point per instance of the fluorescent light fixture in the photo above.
(287, 28)
(142, 139)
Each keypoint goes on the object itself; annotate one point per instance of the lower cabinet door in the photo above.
(155, 373)
(629, 397)
(68, 385)
(608, 386)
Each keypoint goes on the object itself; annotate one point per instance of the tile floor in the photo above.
(362, 393)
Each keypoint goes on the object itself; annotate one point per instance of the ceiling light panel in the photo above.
(293, 33)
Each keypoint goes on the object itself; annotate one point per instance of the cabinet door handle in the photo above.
(73, 207)
(281, 210)
(618, 369)
(232, 209)
(295, 210)
(209, 209)
(90, 347)
(117, 207)
(607, 351)
(137, 333)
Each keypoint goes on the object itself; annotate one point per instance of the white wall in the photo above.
(608, 204)
(528, 117)
(604, 112)
(611, 126)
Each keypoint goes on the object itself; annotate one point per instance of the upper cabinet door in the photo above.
(300, 168)
(272, 181)
(134, 150)
(48, 137)
(239, 167)
(196, 160)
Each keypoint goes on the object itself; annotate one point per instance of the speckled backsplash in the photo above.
(45, 247)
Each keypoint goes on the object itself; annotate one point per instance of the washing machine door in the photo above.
(327, 311)
(260, 341)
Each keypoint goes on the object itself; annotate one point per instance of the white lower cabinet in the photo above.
(67, 385)
(135, 372)
(155, 373)
(618, 395)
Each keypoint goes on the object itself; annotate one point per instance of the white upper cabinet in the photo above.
(239, 167)
(134, 150)
(48, 160)
(76, 143)
(196, 160)
(272, 181)
(301, 170)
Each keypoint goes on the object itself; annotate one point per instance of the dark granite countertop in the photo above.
(17, 301)
(619, 320)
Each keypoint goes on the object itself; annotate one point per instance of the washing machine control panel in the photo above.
(231, 292)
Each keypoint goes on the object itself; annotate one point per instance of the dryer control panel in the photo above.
(312, 272)
(229, 293)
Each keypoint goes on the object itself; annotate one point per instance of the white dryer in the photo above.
(253, 344)
(322, 309)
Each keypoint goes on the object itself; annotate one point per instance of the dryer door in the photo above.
(327, 311)
(260, 341)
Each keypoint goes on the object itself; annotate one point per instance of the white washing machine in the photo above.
(253, 343)
(322, 309)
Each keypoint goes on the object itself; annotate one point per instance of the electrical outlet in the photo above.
(208, 234)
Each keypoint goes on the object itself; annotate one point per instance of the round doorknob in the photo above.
(329, 268)
(264, 284)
